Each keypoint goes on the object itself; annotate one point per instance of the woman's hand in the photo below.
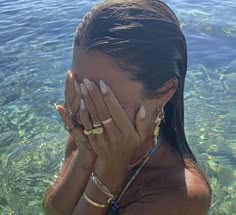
(119, 140)
(68, 114)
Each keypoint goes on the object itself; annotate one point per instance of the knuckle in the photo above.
(104, 114)
(126, 135)
(114, 139)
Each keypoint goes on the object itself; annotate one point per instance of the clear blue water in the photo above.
(35, 51)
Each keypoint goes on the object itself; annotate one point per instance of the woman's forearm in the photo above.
(64, 195)
(114, 177)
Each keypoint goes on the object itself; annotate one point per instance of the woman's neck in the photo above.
(164, 157)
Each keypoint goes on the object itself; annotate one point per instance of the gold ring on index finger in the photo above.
(98, 130)
(88, 132)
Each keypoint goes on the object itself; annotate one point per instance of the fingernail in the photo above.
(76, 87)
(83, 90)
(55, 105)
(67, 73)
(88, 84)
(82, 104)
(142, 112)
(73, 75)
(103, 87)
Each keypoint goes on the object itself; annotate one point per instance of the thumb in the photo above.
(141, 123)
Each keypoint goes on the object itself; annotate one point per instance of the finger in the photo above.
(84, 117)
(77, 133)
(64, 116)
(90, 105)
(66, 89)
(67, 120)
(117, 113)
(101, 109)
(69, 90)
(76, 102)
(97, 99)
(141, 123)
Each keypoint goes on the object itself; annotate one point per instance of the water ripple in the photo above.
(35, 49)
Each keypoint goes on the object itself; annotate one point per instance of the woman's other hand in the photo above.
(68, 114)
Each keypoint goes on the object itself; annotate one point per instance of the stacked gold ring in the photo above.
(107, 121)
(97, 125)
(98, 130)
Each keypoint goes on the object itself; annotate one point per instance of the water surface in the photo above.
(35, 51)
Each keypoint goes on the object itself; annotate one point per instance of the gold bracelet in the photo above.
(102, 187)
(98, 205)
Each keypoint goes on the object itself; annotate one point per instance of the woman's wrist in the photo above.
(86, 152)
(112, 175)
(86, 159)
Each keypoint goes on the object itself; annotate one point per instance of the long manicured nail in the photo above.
(82, 104)
(76, 87)
(55, 105)
(68, 73)
(142, 112)
(83, 90)
(88, 84)
(103, 87)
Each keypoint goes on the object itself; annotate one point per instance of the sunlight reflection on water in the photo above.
(35, 47)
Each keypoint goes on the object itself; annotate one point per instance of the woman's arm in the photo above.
(113, 176)
(62, 196)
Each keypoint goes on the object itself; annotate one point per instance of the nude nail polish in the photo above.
(82, 104)
(83, 90)
(142, 112)
(103, 87)
(76, 87)
(88, 84)
(55, 105)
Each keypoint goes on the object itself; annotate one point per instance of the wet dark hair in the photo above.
(145, 39)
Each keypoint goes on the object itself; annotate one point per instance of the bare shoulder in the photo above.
(198, 192)
(184, 193)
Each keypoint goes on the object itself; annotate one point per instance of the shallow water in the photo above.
(35, 51)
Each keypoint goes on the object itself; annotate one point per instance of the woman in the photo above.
(127, 152)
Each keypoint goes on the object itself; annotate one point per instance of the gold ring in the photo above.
(98, 130)
(97, 125)
(71, 114)
(88, 132)
(107, 121)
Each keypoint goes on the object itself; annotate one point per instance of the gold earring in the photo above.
(160, 117)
